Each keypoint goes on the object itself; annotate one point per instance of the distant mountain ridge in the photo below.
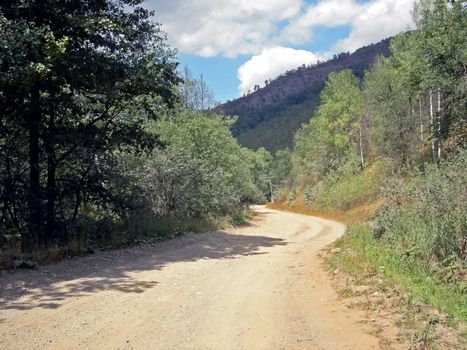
(269, 116)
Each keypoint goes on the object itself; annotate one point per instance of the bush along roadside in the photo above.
(414, 242)
(403, 257)
(201, 180)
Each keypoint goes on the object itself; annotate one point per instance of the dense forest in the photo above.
(388, 153)
(269, 116)
(100, 141)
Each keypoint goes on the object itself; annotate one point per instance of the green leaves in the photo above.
(81, 78)
(331, 136)
(202, 171)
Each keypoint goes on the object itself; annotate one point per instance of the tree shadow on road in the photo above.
(112, 270)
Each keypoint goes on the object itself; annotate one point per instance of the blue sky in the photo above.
(237, 44)
(221, 72)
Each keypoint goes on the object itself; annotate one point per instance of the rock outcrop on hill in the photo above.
(269, 116)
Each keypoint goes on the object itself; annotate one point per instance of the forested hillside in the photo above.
(269, 116)
(388, 154)
(99, 144)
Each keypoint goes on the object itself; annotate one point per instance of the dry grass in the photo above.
(357, 214)
(6, 257)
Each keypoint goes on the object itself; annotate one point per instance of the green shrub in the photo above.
(428, 214)
(347, 187)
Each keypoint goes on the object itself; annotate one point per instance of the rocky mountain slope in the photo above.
(269, 116)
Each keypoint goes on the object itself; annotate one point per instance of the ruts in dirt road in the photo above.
(260, 286)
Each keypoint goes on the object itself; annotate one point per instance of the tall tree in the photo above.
(389, 104)
(440, 47)
(195, 93)
(333, 135)
(78, 78)
(341, 111)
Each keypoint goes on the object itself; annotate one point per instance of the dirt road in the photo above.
(255, 287)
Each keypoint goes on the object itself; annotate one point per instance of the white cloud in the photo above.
(328, 13)
(378, 20)
(270, 63)
(234, 27)
(222, 27)
(245, 27)
(369, 22)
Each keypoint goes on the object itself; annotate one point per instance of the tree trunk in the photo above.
(51, 193)
(271, 190)
(202, 92)
(34, 231)
(422, 132)
(432, 127)
(438, 144)
(362, 164)
(421, 120)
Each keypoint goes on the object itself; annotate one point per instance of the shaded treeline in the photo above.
(95, 142)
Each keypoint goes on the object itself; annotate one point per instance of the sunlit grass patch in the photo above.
(362, 256)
